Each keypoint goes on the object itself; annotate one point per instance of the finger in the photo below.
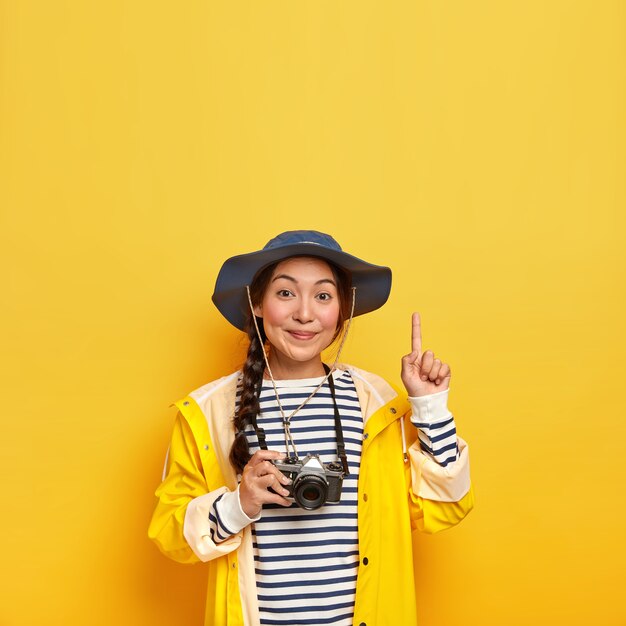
(427, 362)
(266, 468)
(444, 373)
(276, 499)
(264, 455)
(262, 469)
(257, 494)
(416, 333)
(434, 370)
(269, 481)
(410, 359)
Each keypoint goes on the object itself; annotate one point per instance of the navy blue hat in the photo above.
(372, 282)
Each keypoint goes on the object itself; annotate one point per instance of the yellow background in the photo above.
(476, 147)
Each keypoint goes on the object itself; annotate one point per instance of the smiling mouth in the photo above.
(301, 335)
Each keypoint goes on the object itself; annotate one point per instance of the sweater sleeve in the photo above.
(436, 427)
(226, 517)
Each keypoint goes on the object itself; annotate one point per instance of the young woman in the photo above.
(301, 483)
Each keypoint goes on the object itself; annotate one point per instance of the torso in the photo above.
(306, 561)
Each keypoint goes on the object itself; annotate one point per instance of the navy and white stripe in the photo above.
(219, 530)
(306, 561)
(436, 429)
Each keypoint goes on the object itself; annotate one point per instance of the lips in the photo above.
(302, 336)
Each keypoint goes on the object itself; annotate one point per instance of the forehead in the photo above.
(304, 267)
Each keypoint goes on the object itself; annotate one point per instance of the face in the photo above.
(300, 308)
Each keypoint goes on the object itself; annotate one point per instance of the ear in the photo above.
(258, 311)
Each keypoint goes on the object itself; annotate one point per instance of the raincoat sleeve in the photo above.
(180, 524)
(441, 491)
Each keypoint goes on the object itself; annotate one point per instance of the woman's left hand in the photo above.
(423, 374)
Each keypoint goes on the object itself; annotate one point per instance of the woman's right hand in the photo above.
(258, 475)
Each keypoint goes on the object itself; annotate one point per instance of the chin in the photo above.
(301, 354)
(302, 357)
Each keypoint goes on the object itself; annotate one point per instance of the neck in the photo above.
(288, 369)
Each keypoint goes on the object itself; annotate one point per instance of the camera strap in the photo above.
(341, 446)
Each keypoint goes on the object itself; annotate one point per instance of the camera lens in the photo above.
(310, 491)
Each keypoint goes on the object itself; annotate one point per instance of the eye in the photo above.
(284, 293)
(324, 297)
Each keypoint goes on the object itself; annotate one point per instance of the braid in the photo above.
(249, 406)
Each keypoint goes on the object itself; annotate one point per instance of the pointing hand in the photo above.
(423, 374)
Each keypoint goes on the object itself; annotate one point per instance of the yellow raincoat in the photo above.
(396, 495)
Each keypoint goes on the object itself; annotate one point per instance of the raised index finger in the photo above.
(416, 334)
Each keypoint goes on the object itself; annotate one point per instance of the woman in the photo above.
(300, 483)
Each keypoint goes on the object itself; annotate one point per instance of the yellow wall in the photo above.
(476, 147)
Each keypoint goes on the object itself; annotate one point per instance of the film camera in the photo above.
(313, 483)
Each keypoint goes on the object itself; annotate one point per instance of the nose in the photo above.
(303, 312)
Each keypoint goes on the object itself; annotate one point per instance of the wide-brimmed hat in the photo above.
(372, 282)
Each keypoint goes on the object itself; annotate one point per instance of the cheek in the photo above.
(274, 315)
(330, 318)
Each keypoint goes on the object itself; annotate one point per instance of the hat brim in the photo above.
(372, 282)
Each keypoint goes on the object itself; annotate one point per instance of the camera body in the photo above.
(313, 483)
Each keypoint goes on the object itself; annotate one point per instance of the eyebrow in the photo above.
(293, 280)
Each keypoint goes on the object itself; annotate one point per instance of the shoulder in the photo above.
(212, 406)
(371, 383)
(368, 377)
(224, 387)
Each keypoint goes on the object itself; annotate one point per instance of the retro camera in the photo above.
(313, 483)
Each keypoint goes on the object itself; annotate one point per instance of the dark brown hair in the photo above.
(254, 365)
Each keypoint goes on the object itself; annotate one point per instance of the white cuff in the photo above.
(431, 408)
(232, 515)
